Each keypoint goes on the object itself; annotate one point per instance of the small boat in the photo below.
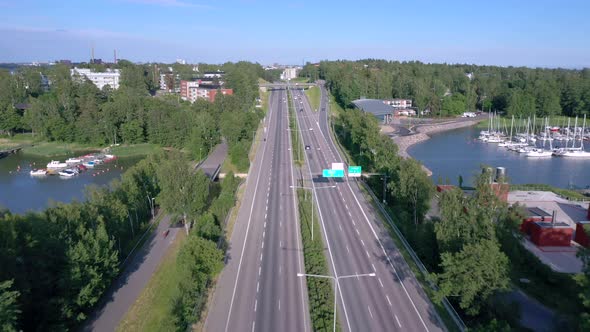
(38, 172)
(109, 157)
(89, 164)
(68, 173)
(56, 164)
(73, 161)
(81, 167)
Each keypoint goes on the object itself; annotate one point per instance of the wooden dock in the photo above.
(6, 152)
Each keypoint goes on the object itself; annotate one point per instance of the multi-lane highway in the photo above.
(258, 289)
(356, 243)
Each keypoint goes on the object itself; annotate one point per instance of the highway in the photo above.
(357, 243)
(258, 289)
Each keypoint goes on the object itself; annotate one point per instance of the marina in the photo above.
(26, 183)
(459, 152)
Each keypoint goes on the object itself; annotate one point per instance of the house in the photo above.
(101, 79)
(214, 74)
(555, 234)
(193, 90)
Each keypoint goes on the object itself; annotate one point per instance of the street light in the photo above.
(312, 207)
(337, 284)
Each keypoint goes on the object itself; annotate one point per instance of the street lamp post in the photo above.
(312, 207)
(336, 284)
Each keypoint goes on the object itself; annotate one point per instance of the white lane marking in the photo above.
(374, 269)
(265, 224)
(350, 215)
(370, 313)
(261, 257)
(255, 305)
(267, 201)
(348, 250)
(340, 227)
(263, 233)
(280, 244)
(353, 223)
(397, 320)
(279, 304)
(233, 296)
(253, 324)
(257, 286)
(357, 231)
(369, 256)
(346, 205)
(267, 208)
(362, 242)
(280, 269)
(388, 301)
(380, 282)
(262, 244)
(265, 215)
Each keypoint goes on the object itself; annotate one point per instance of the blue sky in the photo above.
(518, 32)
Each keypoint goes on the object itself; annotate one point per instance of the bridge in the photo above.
(212, 165)
(284, 85)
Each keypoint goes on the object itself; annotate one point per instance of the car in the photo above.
(301, 110)
(307, 147)
(166, 232)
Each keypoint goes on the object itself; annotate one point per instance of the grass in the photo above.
(50, 149)
(295, 137)
(142, 149)
(300, 80)
(313, 95)
(320, 292)
(566, 193)
(152, 309)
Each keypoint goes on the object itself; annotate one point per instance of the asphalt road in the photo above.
(258, 289)
(356, 243)
(125, 290)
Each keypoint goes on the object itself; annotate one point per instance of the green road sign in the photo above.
(333, 173)
(354, 171)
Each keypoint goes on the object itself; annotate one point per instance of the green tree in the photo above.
(8, 307)
(453, 105)
(473, 275)
(413, 188)
(583, 281)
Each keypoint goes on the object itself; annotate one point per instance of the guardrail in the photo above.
(448, 306)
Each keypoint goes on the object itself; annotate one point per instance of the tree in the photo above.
(583, 281)
(413, 188)
(453, 105)
(8, 307)
(473, 275)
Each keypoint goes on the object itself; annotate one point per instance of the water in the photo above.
(20, 192)
(458, 152)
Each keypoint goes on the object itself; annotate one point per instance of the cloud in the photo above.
(170, 3)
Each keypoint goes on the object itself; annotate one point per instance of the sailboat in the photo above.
(578, 152)
(541, 153)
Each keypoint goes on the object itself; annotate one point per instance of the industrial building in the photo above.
(101, 79)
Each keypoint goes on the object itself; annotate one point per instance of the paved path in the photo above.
(125, 290)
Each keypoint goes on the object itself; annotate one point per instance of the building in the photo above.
(213, 74)
(167, 81)
(554, 234)
(193, 90)
(377, 107)
(583, 233)
(289, 74)
(398, 103)
(101, 79)
(181, 61)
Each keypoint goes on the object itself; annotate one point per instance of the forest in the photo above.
(447, 90)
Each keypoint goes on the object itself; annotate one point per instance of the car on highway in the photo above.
(166, 232)
(307, 147)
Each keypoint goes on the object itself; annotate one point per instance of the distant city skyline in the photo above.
(525, 33)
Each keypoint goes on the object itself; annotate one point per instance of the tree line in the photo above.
(474, 246)
(72, 111)
(57, 264)
(448, 90)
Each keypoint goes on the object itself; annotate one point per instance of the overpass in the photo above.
(212, 165)
(284, 85)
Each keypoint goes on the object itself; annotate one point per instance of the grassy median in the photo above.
(320, 292)
(313, 95)
(295, 136)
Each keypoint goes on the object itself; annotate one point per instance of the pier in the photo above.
(9, 151)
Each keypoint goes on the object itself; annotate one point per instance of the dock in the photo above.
(9, 151)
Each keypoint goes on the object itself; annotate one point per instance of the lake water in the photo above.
(458, 152)
(20, 192)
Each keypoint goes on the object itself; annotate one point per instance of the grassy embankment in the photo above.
(314, 95)
(35, 147)
(335, 111)
(300, 80)
(152, 309)
(320, 292)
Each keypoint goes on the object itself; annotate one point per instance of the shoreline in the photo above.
(422, 133)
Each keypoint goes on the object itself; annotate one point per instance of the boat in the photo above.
(575, 152)
(89, 164)
(109, 157)
(539, 153)
(38, 172)
(73, 161)
(68, 172)
(56, 164)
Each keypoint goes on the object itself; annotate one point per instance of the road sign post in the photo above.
(354, 171)
(333, 173)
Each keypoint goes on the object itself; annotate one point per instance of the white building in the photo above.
(399, 103)
(214, 74)
(289, 74)
(100, 79)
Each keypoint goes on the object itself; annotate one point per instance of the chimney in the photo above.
(553, 218)
(115, 51)
(92, 55)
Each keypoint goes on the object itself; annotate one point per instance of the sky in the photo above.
(533, 33)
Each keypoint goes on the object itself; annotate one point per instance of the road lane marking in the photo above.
(370, 313)
(362, 242)
(279, 304)
(369, 256)
(262, 244)
(353, 223)
(265, 224)
(253, 324)
(265, 215)
(261, 257)
(280, 244)
(380, 282)
(357, 231)
(339, 225)
(388, 301)
(257, 286)
(263, 233)
(397, 320)
(374, 269)
(255, 305)
(347, 249)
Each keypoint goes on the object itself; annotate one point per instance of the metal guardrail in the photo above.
(448, 306)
